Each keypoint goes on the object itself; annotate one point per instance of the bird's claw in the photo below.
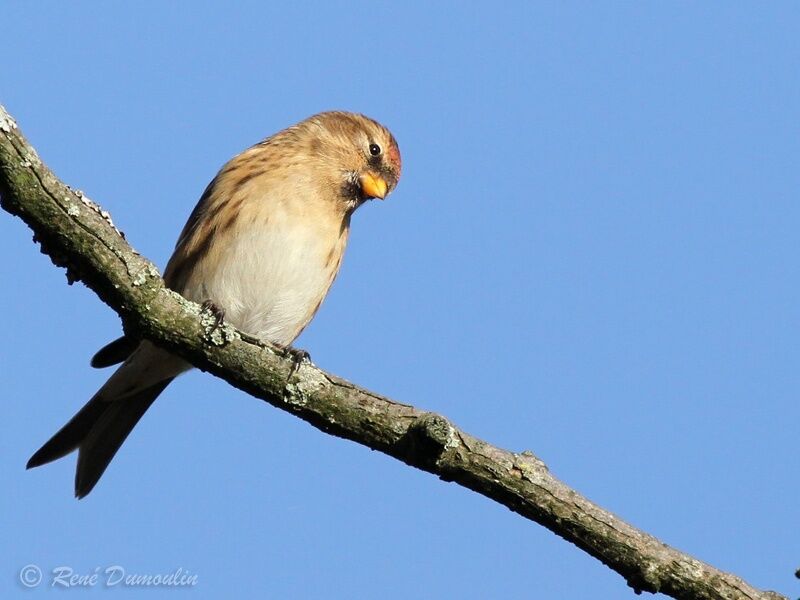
(216, 312)
(298, 355)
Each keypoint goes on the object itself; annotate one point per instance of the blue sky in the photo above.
(592, 254)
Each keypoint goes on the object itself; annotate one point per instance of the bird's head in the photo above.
(359, 157)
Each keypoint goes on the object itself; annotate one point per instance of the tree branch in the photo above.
(76, 234)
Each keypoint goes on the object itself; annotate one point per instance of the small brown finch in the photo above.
(263, 246)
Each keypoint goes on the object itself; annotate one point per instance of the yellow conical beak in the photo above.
(373, 186)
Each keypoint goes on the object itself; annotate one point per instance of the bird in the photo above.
(261, 248)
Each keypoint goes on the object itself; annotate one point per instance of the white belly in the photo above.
(270, 280)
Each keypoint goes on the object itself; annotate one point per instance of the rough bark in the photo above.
(78, 235)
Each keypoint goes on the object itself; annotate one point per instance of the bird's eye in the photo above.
(374, 149)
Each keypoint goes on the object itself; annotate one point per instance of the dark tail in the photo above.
(114, 352)
(97, 431)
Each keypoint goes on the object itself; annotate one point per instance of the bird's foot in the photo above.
(216, 312)
(298, 355)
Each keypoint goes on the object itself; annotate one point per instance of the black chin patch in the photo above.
(351, 189)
